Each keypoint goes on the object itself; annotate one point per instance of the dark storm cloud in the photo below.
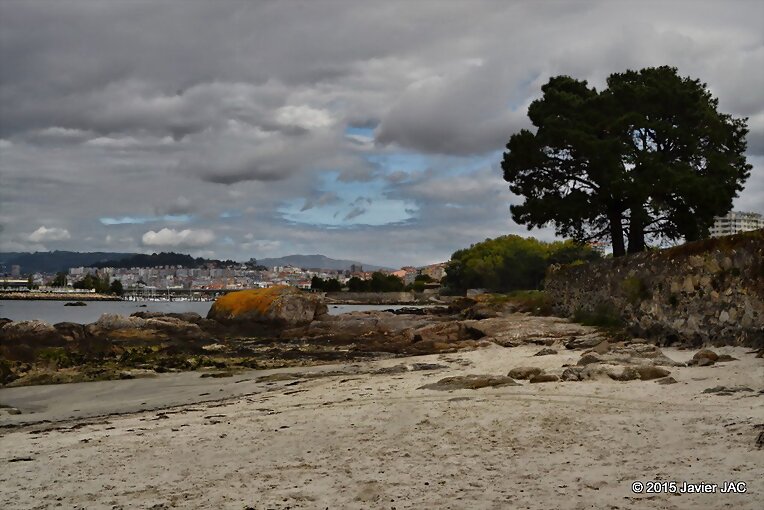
(231, 109)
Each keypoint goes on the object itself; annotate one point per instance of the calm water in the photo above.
(55, 311)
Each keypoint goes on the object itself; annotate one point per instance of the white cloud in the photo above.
(187, 238)
(43, 234)
(304, 116)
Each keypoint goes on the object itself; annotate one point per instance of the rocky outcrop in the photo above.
(524, 372)
(520, 329)
(707, 292)
(21, 340)
(276, 305)
(632, 354)
(470, 382)
(135, 330)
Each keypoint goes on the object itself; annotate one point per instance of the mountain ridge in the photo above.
(316, 261)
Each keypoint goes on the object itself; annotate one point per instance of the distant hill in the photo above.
(54, 261)
(315, 262)
(164, 259)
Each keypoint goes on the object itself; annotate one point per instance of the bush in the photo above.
(510, 263)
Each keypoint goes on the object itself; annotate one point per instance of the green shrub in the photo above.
(510, 263)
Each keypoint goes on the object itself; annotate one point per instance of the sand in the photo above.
(377, 441)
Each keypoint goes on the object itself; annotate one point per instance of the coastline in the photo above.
(47, 296)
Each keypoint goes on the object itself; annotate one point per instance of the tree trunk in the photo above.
(637, 222)
(616, 234)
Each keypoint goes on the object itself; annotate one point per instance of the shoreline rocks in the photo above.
(281, 305)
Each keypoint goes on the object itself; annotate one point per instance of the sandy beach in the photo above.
(360, 437)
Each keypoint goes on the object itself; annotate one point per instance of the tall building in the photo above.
(15, 271)
(735, 222)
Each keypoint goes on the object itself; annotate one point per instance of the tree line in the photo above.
(379, 282)
(91, 282)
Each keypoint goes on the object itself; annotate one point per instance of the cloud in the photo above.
(44, 234)
(178, 238)
(136, 113)
(304, 117)
(327, 198)
(354, 213)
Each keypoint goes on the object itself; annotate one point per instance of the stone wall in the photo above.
(710, 291)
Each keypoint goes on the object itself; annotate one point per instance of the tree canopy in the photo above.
(649, 157)
(379, 282)
(510, 263)
(330, 285)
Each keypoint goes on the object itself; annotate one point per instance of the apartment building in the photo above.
(735, 222)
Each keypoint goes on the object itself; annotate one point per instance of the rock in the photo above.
(706, 353)
(725, 357)
(184, 316)
(641, 372)
(623, 374)
(396, 369)
(727, 390)
(571, 374)
(20, 340)
(521, 329)
(546, 351)
(632, 354)
(649, 372)
(416, 367)
(446, 332)
(701, 362)
(280, 305)
(470, 382)
(216, 375)
(593, 372)
(542, 378)
(584, 341)
(137, 373)
(214, 347)
(70, 331)
(666, 380)
(35, 331)
(602, 347)
(118, 329)
(76, 303)
(6, 373)
(588, 358)
(524, 372)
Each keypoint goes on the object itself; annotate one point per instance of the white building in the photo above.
(735, 222)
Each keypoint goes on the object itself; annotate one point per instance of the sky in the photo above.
(370, 131)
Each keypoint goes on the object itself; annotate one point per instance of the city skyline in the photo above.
(365, 132)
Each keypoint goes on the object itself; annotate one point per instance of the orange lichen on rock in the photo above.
(280, 304)
(242, 302)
